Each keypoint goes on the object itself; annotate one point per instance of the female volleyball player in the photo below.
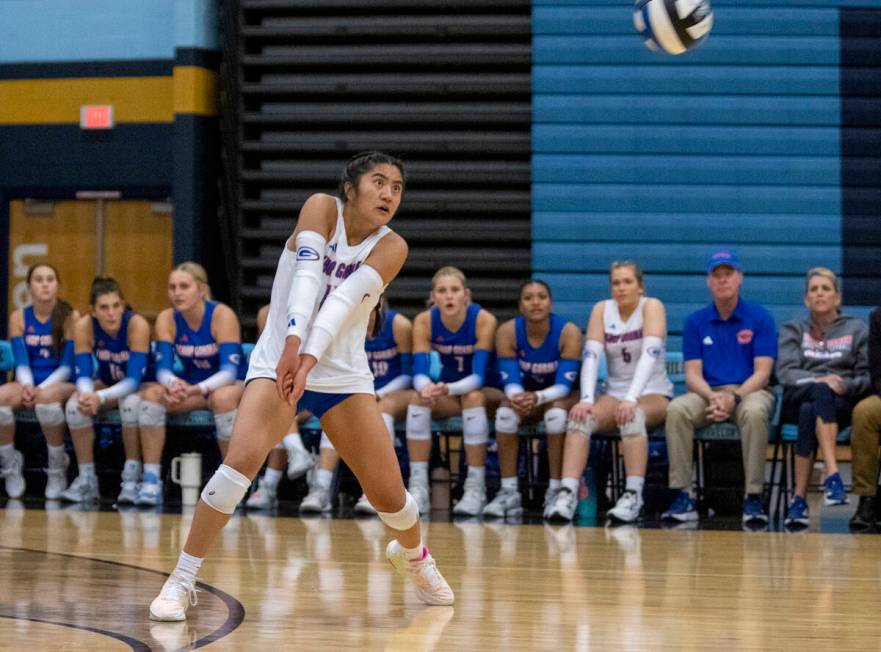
(631, 330)
(119, 338)
(538, 354)
(42, 344)
(311, 356)
(206, 337)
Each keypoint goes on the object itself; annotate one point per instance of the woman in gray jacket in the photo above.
(823, 366)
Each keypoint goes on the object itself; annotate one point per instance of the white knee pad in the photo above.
(129, 408)
(223, 423)
(225, 489)
(418, 423)
(76, 419)
(151, 414)
(49, 414)
(507, 420)
(475, 426)
(636, 426)
(555, 421)
(404, 519)
(325, 442)
(585, 428)
(7, 418)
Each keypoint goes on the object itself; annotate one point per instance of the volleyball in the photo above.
(673, 26)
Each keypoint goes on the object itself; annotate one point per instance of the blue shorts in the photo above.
(318, 402)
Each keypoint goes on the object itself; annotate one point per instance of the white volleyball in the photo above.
(673, 26)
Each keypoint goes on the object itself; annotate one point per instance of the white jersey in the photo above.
(623, 346)
(343, 367)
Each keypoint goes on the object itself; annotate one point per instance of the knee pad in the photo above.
(129, 408)
(325, 442)
(7, 418)
(76, 419)
(635, 427)
(404, 519)
(585, 428)
(223, 423)
(151, 414)
(225, 489)
(475, 426)
(555, 421)
(49, 414)
(506, 420)
(419, 423)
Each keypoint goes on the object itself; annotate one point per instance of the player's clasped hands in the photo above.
(523, 403)
(433, 391)
(721, 406)
(88, 403)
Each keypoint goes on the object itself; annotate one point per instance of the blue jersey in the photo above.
(382, 352)
(38, 341)
(539, 365)
(197, 350)
(456, 350)
(112, 352)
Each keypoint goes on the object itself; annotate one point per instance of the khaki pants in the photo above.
(688, 413)
(864, 445)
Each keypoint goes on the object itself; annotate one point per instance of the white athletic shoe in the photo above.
(473, 499)
(419, 491)
(83, 489)
(56, 480)
(11, 472)
(316, 501)
(363, 506)
(627, 508)
(128, 493)
(149, 494)
(176, 595)
(506, 503)
(431, 587)
(299, 462)
(564, 506)
(550, 497)
(263, 497)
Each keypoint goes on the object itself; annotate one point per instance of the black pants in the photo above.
(804, 404)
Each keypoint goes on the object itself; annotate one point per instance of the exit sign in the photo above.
(96, 116)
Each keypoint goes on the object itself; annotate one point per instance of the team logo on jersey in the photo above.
(745, 336)
(570, 376)
(333, 247)
(708, 341)
(307, 253)
(184, 338)
(31, 329)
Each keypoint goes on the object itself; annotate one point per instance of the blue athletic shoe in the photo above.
(835, 493)
(797, 514)
(683, 509)
(753, 509)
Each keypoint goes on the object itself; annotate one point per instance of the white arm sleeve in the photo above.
(420, 381)
(589, 369)
(512, 389)
(85, 385)
(365, 284)
(24, 376)
(221, 378)
(58, 376)
(307, 282)
(464, 385)
(120, 390)
(166, 378)
(652, 349)
(551, 393)
(404, 381)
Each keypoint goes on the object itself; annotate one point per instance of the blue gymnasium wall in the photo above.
(766, 138)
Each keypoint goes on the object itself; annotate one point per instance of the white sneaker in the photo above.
(363, 506)
(431, 587)
(473, 499)
(56, 480)
(506, 503)
(419, 491)
(316, 501)
(550, 497)
(128, 493)
(11, 472)
(176, 595)
(83, 489)
(149, 494)
(627, 508)
(564, 506)
(263, 497)
(299, 462)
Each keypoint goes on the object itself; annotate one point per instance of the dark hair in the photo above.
(104, 285)
(380, 312)
(60, 312)
(534, 281)
(360, 164)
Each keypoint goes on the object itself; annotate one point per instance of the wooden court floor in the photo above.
(74, 580)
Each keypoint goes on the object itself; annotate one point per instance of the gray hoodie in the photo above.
(843, 351)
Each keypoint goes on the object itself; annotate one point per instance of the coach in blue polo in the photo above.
(729, 349)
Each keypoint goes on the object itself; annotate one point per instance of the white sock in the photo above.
(188, 566)
(132, 467)
(271, 478)
(56, 456)
(155, 469)
(87, 470)
(554, 484)
(6, 451)
(635, 483)
(571, 484)
(477, 473)
(293, 440)
(323, 478)
(419, 472)
(416, 553)
(389, 425)
(509, 484)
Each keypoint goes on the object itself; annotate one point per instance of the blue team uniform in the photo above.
(382, 353)
(538, 366)
(41, 355)
(197, 350)
(456, 350)
(111, 352)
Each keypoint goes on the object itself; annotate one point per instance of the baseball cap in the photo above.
(723, 257)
